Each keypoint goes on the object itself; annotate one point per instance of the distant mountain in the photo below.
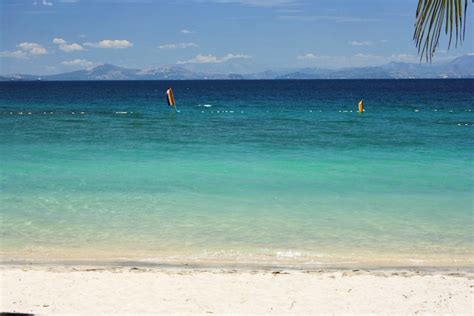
(102, 72)
(19, 77)
(461, 67)
(111, 72)
(166, 73)
(235, 66)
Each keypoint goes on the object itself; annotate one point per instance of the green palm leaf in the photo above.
(430, 17)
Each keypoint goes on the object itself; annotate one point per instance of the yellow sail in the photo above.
(361, 106)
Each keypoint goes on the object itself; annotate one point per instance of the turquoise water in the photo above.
(259, 172)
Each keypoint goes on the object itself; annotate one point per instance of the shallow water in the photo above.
(247, 171)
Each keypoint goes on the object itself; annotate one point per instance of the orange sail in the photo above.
(170, 97)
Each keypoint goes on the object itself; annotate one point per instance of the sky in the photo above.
(54, 36)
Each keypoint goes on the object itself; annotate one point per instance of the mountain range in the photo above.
(461, 67)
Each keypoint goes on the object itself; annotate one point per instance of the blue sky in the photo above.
(52, 36)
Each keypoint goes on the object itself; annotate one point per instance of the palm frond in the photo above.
(430, 17)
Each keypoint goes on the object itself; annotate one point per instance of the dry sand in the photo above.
(96, 291)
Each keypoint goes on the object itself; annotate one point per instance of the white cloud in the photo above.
(335, 61)
(405, 57)
(65, 47)
(26, 50)
(200, 59)
(78, 63)
(289, 11)
(58, 41)
(330, 18)
(18, 54)
(32, 48)
(185, 31)
(366, 56)
(234, 56)
(260, 3)
(308, 56)
(70, 47)
(360, 43)
(178, 45)
(211, 59)
(113, 44)
(43, 2)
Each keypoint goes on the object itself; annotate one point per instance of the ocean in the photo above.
(274, 173)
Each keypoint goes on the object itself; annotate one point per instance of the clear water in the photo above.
(257, 172)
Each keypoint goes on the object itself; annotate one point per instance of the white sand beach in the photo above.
(108, 290)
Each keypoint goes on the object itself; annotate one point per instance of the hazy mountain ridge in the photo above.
(461, 67)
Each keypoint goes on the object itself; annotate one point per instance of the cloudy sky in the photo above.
(52, 36)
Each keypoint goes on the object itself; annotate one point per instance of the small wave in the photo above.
(121, 113)
(205, 105)
(288, 254)
(298, 254)
(416, 261)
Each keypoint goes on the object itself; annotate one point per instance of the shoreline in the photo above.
(84, 289)
(288, 260)
(77, 265)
